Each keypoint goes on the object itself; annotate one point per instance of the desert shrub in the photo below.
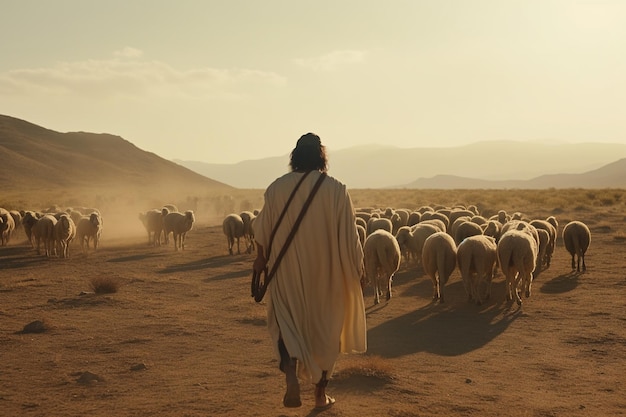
(104, 285)
(371, 366)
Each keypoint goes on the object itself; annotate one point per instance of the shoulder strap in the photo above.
(258, 296)
(282, 214)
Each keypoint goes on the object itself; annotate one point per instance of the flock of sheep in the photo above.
(441, 238)
(448, 238)
(444, 239)
(53, 229)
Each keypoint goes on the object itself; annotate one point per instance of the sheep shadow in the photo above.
(240, 267)
(561, 284)
(449, 329)
(15, 257)
(138, 257)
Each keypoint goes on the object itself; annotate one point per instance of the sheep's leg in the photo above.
(574, 263)
(507, 286)
(389, 287)
(584, 266)
(441, 285)
(516, 289)
(435, 281)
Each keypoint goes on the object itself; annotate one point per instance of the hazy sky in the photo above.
(230, 80)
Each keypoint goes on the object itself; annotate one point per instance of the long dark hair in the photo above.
(309, 154)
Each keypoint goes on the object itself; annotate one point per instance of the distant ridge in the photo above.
(33, 157)
(489, 164)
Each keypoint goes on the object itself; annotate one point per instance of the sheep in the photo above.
(28, 221)
(361, 231)
(455, 224)
(465, 230)
(546, 256)
(439, 261)
(17, 219)
(89, 227)
(153, 222)
(411, 239)
(398, 220)
(493, 228)
(171, 208)
(576, 238)
(64, 232)
(381, 254)
(456, 213)
(476, 259)
(7, 225)
(431, 215)
(178, 224)
(479, 220)
(414, 218)
(233, 229)
(554, 222)
(43, 229)
(517, 257)
(438, 223)
(544, 242)
(379, 224)
(248, 234)
(361, 222)
(363, 215)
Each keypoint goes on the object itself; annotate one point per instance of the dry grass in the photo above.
(104, 285)
(370, 366)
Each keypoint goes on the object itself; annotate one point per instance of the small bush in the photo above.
(104, 285)
(371, 366)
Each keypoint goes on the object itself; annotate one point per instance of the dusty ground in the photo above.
(182, 337)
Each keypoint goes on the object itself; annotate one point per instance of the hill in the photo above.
(492, 164)
(612, 175)
(37, 159)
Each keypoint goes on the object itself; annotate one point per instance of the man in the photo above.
(315, 307)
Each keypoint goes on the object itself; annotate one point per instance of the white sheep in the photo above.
(233, 228)
(492, 228)
(576, 238)
(361, 231)
(439, 261)
(28, 221)
(381, 257)
(7, 225)
(411, 239)
(153, 222)
(248, 234)
(414, 218)
(178, 224)
(382, 223)
(64, 233)
(545, 255)
(476, 259)
(88, 228)
(43, 230)
(435, 215)
(517, 256)
(465, 230)
(17, 220)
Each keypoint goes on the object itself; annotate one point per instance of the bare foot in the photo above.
(322, 401)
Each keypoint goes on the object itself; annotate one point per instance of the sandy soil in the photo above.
(182, 337)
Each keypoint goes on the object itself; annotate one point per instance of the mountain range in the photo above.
(35, 158)
(481, 165)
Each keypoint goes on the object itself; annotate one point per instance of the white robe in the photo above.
(315, 299)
